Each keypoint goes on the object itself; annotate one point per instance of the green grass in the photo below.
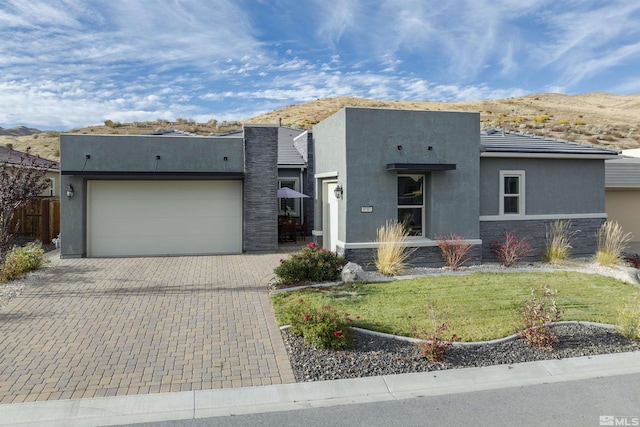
(480, 306)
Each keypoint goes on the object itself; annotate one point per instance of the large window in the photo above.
(512, 192)
(289, 207)
(411, 203)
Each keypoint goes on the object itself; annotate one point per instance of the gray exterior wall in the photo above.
(260, 222)
(181, 157)
(359, 142)
(584, 240)
(423, 257)
(553, 186)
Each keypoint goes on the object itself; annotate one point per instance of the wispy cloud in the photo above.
(67, 63)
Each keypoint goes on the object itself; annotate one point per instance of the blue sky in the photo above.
(73, 63)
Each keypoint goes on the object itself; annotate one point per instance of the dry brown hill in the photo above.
(596, 118)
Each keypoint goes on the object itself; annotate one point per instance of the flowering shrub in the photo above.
(510, 250)
(432, 345)
(21, 259)
(312, 264)
(537, 316)
(321, 328)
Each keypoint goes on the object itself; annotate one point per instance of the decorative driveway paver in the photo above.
(106, 327)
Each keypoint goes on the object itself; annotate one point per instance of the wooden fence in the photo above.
(40, 219)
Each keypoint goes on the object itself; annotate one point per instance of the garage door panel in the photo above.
(623, 206)
(164, 217)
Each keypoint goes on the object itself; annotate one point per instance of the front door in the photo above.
(330, 216)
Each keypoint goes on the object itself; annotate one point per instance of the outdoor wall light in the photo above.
(338, 192)
(70, 191)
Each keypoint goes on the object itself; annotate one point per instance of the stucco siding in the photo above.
(553, 186)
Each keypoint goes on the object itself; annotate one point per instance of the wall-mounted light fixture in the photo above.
(70, 191)
(338, 191)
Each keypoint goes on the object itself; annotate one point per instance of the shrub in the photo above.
(432, 345)
(454, 250)
(562, 122)
(611, 243)
(392, 253)
(320, 327)
(579, 122)
(20, 260)
(633, 260)
(629, 320)
(541, 119)
(510, 250)
(558, 241)
(312, 263)
(537, 317)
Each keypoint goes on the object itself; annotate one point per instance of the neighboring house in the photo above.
(175, 193)
(18, 158)
(622, 178)
(40, 218)
(435, 172)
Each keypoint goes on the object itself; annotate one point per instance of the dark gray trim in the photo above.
(226, 175)
(420, 167)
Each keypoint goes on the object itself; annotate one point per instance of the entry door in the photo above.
(330, 215)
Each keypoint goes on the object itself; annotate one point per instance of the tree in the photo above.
(19, 183)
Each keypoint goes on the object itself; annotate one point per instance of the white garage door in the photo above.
(130, 218)
(623, 206)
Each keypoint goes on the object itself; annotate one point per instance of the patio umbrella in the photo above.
(288, 193)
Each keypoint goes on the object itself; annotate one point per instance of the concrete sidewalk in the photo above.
(213, 403)
(86, 328)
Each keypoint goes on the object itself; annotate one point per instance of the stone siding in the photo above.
(429, 256)
(584, 241)
(260, 189)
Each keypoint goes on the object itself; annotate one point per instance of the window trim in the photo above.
(422, 207)
(520, 174)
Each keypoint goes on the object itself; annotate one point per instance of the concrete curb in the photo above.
(250, 400)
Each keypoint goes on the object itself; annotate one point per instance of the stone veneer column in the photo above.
(260, 220)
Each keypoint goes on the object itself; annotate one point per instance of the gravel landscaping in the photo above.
(373, 355)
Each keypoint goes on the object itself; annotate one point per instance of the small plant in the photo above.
(432, 345)
(558, 241)
(454, 250)
(541, 119)
(537, 316)
(611, 243)
(392, 253)
(633, 260)
(510, 250)
(20, 260)
(629, 319)
(320, 327)
(562, 122)
(312, 263)
(579, 123)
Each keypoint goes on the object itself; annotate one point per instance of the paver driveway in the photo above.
(105, 327)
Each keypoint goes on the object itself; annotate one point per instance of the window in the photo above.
(51, 189)
(411, 203)
(512, 192)
(289, 207)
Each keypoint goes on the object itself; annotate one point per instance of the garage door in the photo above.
(132, 218)
(623, 206)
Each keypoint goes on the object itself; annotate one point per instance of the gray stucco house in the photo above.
(435, 171)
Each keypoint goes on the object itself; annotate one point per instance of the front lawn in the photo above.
(480, 306)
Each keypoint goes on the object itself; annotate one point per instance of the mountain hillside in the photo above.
(596, 118)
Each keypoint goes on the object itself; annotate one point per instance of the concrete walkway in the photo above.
(88, 328)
